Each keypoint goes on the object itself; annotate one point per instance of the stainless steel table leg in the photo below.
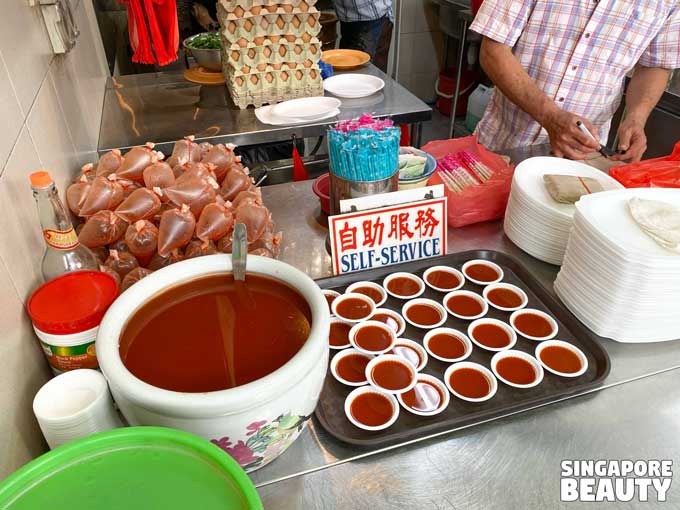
(459, 71)
(417, 134)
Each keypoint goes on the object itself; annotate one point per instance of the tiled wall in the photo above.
(50, 106)
(421, 48)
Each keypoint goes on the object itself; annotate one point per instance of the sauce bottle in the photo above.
(64, 253)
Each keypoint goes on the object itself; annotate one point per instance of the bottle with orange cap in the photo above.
(63, 253)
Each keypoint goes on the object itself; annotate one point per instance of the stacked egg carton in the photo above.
(270, 50)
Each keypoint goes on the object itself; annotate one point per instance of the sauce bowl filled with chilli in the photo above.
(505, 296)
(370, 289)
(465, 305)
(403, 285)
(424, 313)
(330, 296)
(353, 307)
(371, 409)
(391, 318)
(492, 334)
(534, 324)
(428, 397)
(372, 337)
(443, 278)
(482, 272)
(411, 351)
(338, 337)
(391, 373)
(562, 358)
(349, 367)
(447, 344)
(517, 368)
(470, 381)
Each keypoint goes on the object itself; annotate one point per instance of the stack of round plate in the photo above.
(533, 220)
(615, 278)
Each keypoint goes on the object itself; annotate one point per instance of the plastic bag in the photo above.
(102, 228)
(185, 151)
(661, 172)
(176, 229)
(252, 195)
(194, 192)
(198, 248)
(141, 204)
(109, 163)
(76, 194)
(133, 277)
(142, 238)
(223, 157)
(236, 181)
(199, 170)
(269, 241)
(224, 245)
(215, 221)
(157, 261)
(119, 245)
(205, 147)
(105, 194)
(121, 262)
(135, 161)
(113, 274)
(262, 252)
(101, 252)
(158, 175)
(477, 203)
(255, 217)
(86, 173)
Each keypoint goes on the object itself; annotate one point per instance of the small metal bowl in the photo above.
(206, 58)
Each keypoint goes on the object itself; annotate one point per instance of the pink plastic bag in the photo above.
(76, 194)
(215, 221)
(269, 241)
(198, 248)
(121, 262)
(128, 187)
(133, 277)
(101, 252)
(235, 182)
(157, 262)
(185, 151)
(482, 202)
(223, 157)
(102, 228)
(194, 192)
(255, 217)
(140, 205)
(142, 238)
(205, 147)
(252, 195)
(86, 173)
(224, 245)
(105, 194)
(200, 170)
(109, 163)
(135, 161)
(158, 175)
(176, 230)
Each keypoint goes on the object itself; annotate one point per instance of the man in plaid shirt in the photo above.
(555, 62)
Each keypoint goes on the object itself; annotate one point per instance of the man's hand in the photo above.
(632, 140)
(566, 139)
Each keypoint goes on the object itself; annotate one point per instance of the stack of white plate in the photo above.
(305, 110)
(533, 220)
(615, 278)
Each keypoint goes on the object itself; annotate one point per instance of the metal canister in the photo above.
(342, 189)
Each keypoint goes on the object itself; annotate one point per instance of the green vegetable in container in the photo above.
(207, 41)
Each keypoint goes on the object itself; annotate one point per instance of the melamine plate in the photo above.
(265, 115)
(353, 85)
(309, 108)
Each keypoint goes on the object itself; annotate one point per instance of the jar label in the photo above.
(71, 357)
(61, 239)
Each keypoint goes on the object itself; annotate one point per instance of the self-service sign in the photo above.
(388, 235)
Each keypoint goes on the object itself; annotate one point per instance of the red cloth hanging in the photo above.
(154, 33)
(299, 170)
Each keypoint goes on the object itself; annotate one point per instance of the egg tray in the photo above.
(259, 57)
(330, 410)
(295, 23)
(240, 8)
(284, 85)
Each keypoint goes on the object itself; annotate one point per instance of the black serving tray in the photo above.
(330, 409)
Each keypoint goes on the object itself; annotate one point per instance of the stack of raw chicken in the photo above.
(270, 50)
(141, 213)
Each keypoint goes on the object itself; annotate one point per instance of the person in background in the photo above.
(366, 25)
(557, 62)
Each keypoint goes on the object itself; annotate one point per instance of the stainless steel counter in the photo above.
(164, 107)
(510, 463)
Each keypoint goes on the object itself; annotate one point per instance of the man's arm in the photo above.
(644, 90)
(509, 76)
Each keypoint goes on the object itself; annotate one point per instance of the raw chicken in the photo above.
(102, 228)
(141, 204)
(176, 229)
(215, 221)
(105, 193)
(109, 163)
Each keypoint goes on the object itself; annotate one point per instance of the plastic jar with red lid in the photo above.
(66, 313)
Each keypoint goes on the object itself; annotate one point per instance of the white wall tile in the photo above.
(409, 10)
(406, 43)
(423, 85)
(24, 370)
(429, 46)
(425, 17)
(19, 220)
(48, 128)
(12, 114)
(26, 48)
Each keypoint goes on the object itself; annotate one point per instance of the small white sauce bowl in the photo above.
(446, 269)
(424, 301)
(473, 295)
(566, 345)
(369, 389)
(358, 327)
(493, 383)
(428, 379)
(549, 318)
(389, 278)
(452, 332)
(508, 286)
(513, 353)
(484, 263)
(372, 285)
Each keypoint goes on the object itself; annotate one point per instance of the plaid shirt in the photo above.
(363, 10)
(578, 52)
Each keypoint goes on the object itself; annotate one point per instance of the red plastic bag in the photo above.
(142, 238)
(661, 172)
(140, 205)
(109, 163)
(483, 202)
(158, 175)
(176, 230)
(104, 194)
(102, 228)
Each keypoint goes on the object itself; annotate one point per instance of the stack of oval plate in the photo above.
(305, 110)
(615, 278)
(533, 220)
